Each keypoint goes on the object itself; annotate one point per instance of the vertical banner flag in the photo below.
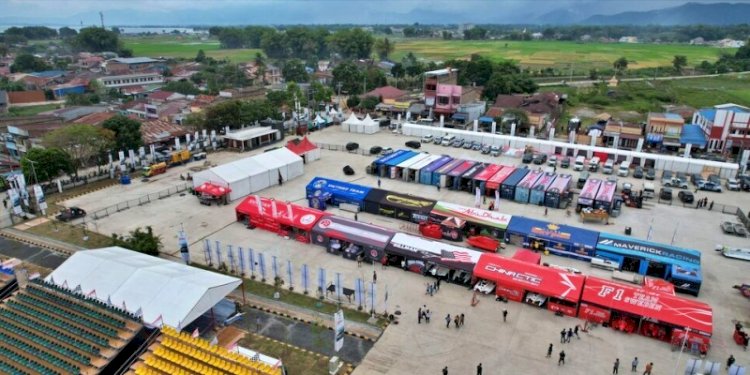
(262, 265)
(305, 278)
(477, 198)
(338, 285)
(207, 251)
(289, 272)
(230, 255)
(497, 200)
(182, 241)
(338, 340)
(241, 256)
(274, 267)
(385, 300)
(321, 280)
(358, 289)
(251, 260)
(372, 296)
(219, 260)
(40, 200)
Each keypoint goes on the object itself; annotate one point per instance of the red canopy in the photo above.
(213, 189)
(527, 256)
(658, 285)
(642, 302)
(299, 147)
(282, 212)
(531, 277)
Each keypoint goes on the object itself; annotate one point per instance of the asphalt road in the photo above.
(668, 78)
(31, 254)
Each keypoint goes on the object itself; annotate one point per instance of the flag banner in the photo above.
(230, 255)
(338, 285)
(305, 277)
(241, 257)
(385, 300)
(251, 260)
(15, 201)
(321, 280)
(183, 243)
(455, 256)
(109, 300)
(477, 198)
(207, 251)
(338, 338)
(219, 259)
(289, 272)
(497, 200)
(262, 265)
(358, 289)
(372, 296)
(78, 289)
(91, 294)
(39, 195)
(196, 333)
(139, 313)
(274, 267)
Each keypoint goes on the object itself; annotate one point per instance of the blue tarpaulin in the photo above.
(486, 119)
(694, 135)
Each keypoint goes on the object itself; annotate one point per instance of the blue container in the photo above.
(125, 180)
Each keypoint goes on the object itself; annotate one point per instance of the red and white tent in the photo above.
(213, 189)
(304, 148)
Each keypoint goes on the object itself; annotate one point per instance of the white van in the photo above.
(648, 190)
(624, 169)
(580, 160)
(594, 164)
(609, 166)
(448, 139)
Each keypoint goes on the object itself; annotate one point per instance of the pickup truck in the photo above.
(71, 213)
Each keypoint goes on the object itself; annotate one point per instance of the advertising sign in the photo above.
(338, 338)
(593, 313)
(40, 199)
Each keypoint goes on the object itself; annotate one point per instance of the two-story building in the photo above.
(123, 81)
(726, 127)
(432, 79)
(130, 65)
(621, 135)
(664, 129)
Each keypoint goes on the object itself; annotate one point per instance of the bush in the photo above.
(141, 241)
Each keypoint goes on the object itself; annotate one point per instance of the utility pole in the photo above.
(33, 170)
(101, 17)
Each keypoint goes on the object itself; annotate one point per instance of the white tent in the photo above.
(253, 174)
(351, 124)
(168, 291)
(370, 126)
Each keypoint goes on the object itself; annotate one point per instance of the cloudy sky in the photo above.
(183, 12)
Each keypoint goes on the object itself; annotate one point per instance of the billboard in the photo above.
(338, 338)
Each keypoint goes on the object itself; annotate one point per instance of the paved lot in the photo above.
(517, 346)
(31, 254)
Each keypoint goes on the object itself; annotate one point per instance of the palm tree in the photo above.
(384, 47)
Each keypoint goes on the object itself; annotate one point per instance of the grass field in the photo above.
(540, 54)
(32, 110)
(185, 47)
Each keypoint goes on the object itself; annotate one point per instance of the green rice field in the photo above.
(541, 54)
(187, 47)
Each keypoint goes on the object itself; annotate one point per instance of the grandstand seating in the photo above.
(181, 353)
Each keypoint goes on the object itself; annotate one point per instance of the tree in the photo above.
(231, 37)
(398, 70)
(183, 87)
(25, 63)
(621, 64)
(593, 74)
(500, 83)
(743, 52)
(67, 32)
(476, 33)
(321, 93)
(349, 76)
(195, 121)
(145, 242)
(44, 164)
(369, 102)
(96, 39)
(82, 99)
(351, 43)
(353, 101)
(679, 62)
(81, 142)
(447, 35)
(236, 114)
(127, 132)
(294, 71)
(384, 47)
(4, 49)
(201, 56)
(519, 116)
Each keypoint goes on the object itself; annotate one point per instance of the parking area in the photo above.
(517, 346)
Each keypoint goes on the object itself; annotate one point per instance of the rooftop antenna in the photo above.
(101, 17)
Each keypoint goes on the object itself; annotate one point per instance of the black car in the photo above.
(565, 162)
(374, 150)
(638, 172)
(650, 174)
(413, 144)
(527, 158)
(665, 194)
(71, 213)
(540, 159)
(686, 196)
(351, 146)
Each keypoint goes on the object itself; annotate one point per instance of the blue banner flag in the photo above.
(358, 289)
(230, 255)
(321, 280)
(219, 260)
(338, 286)
(305, 278)
(372, 296)
(274, 267)
(289, 272)
(262, 265)
(241, 256)
(207, 251)
(251, 260)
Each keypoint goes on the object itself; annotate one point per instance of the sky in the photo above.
(206, 12)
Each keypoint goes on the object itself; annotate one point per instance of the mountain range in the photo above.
(690, 13)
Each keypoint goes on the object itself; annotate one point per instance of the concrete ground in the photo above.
(517, 346)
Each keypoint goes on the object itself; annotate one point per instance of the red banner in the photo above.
(567, 310)
(512, 294)
(593, 313)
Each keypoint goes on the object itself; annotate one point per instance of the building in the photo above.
(118, 82)
(160, 97)
(621, 135)
(730, 43)
(60, 91)
(95, 119)
(725, 126)
(43, 80)
(386, 92)
(129, 65)
(664, 129)
(26, 133)
(628, 39)
(541, 109)
(19, 98)
(434, 78)
(160, 132)
(271, 73)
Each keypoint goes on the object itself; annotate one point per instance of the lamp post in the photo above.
(682, 347)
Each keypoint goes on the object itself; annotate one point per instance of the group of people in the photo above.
(433, 287)
(633, 366)
(566, 335)
(423, 313)
(458, 320)
(479, 370)
(703, 203)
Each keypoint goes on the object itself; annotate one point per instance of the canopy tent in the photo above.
(479, 216)
(556, 238)
(284, 218)
(661, 307)
(352, 124)
(418, 248)
(370, 126)
(213, 189)
(165, 291)
(252, 174)
(307, 150)
(658, 285)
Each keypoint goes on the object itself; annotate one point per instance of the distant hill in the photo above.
(690, 13)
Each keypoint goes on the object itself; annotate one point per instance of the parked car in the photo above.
(627, 188)
(666, 177)
(696, 178)
(638, 172)
(565, 162)
(709, 186)
(675, 182)
(744, 182)
(733, 184)
(527, 158)
(476, 146)
(715, 179)
(374, 150)
(539, 159)
(468, 145)
(650, 174)
(486, 149)
(552, 161)
(665, 194)
(727, 227)
(386, 151)
(458, 143)
(71, 213)
(739, 230)
(686, 196)
(427, 138)
(437, 140)
(682, 176)
(495, 150)
(413, 144)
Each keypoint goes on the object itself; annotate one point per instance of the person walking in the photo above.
(445, 370)
(562, 336)
(448, 321)
(545, 211)
(711, 206)
(561, 361)
(461, 320)
(549, 351)
(505, 315)
(616, 366)
(437, 284)
(374, 277)
(456, 321)
(356, 218)
(479, 369)
(419, 316)
(575, 332)
(634, 365)
(359, 261)
(730, 361)
(570, 334)
(378, 182)
(649, 367)
(427, 316)
(438, 187)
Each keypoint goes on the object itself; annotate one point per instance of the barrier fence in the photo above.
(140, 201)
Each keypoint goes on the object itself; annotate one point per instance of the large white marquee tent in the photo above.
(165, 292)
(253, 174)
